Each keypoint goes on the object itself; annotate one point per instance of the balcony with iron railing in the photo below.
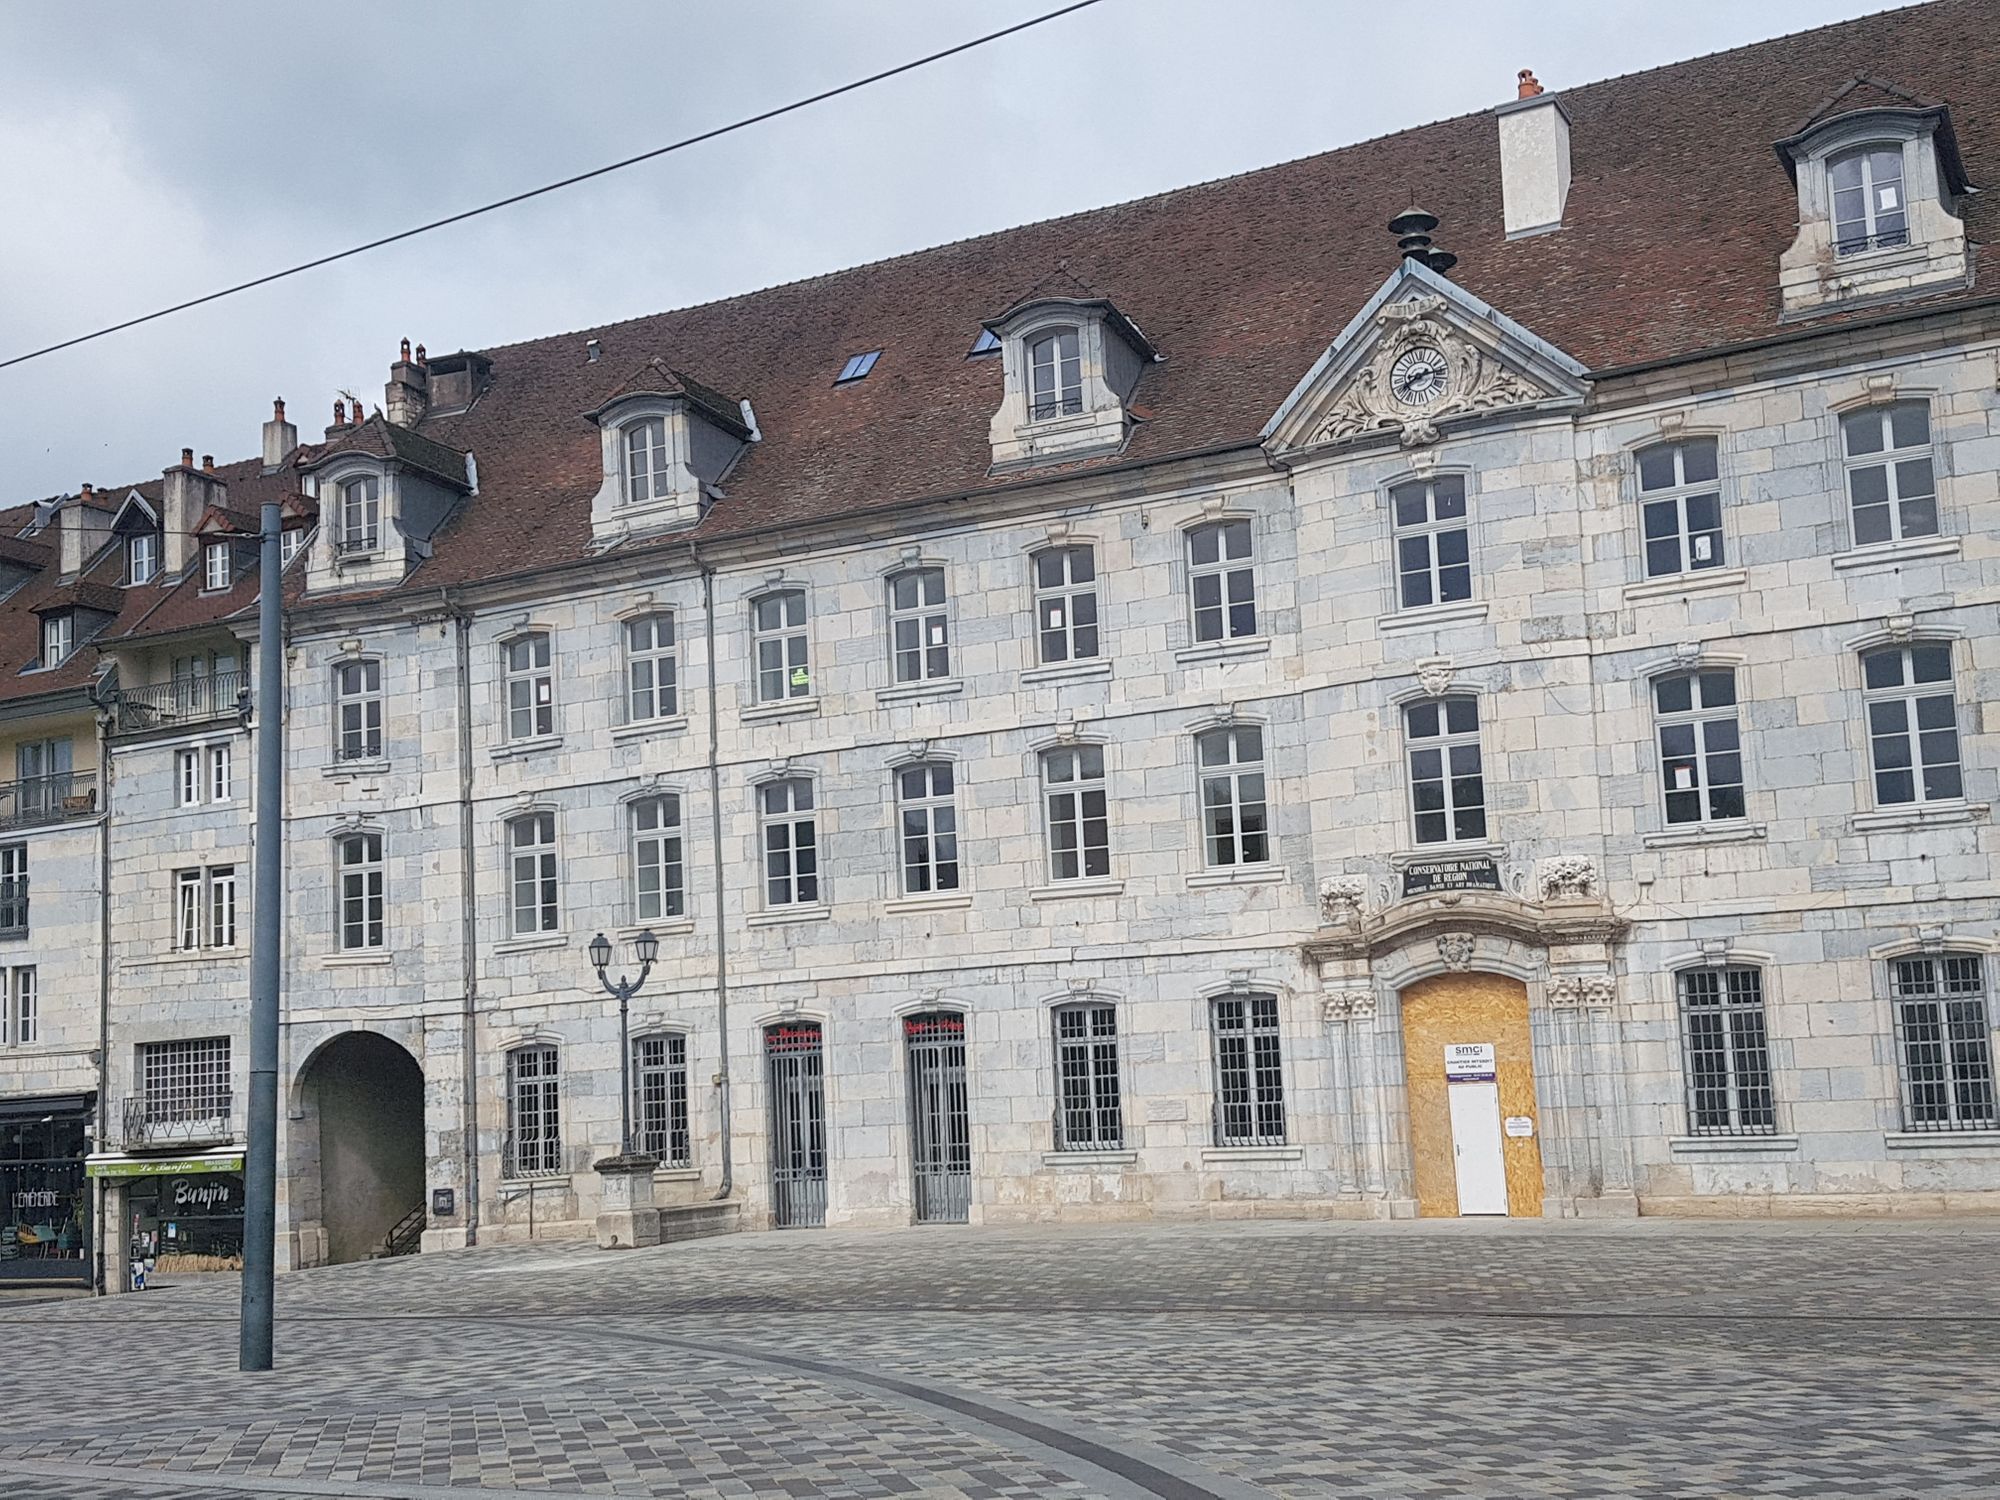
(35, 801)
(201, 1118)
(184, 701)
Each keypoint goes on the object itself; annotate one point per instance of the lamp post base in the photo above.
(626, 1216)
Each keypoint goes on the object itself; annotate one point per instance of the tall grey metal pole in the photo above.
(260, 1156)
(624, 1067)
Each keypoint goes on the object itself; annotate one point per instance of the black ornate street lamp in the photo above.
(647, 948)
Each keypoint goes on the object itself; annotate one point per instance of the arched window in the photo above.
(359, 858)
(1235, 815)
(660, 1098)
(533, 1147)
(1222, 581)
(1433, 541)
(1701, 746)
(652, 669)
(531, 860)
(358, 519)
(357, 710)
(1089, 1114)
(1869, 209)
(1249, 1072)
(646, 475)
(1912, 710)
(791, 842)
(778, 625)
(919, 632)
(1079, 818)
(927, 807)
(531, 687)
(1447, 779)
(1944, 1042)
(1066, 604)
(1055, 374)
(1726, 1052)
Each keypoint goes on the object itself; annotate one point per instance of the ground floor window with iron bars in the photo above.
(185, 1081)
(534, 1114)
(1089, 1115)
(1727, 1053)
(940, 1117)
(794, 1072)
(660, 1105)
(1249, 1077)
(1944, 1042)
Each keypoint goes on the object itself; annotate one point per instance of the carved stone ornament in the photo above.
(1423, 370)
(1456, 949)
(1434, 675)
(1355, 1004)
(1569, 878)
(1581, 991)
(1342, 898)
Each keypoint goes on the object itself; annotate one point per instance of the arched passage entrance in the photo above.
(362, 1101)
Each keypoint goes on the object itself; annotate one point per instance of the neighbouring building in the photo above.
(1201, 707)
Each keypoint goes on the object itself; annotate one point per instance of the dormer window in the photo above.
(1869, 212)
(1068, 368)
(647, 476)
(666, 440)
(215, 566)
(142, 556)
(58, 639)
(358, 515)
(1055, 375)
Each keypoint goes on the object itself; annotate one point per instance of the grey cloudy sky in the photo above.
(153, 152)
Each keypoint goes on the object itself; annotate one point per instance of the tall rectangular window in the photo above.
(791, 842)
(1891, 486)
(1235, 819)
(929, 815)
(919, 634)
(647, 476)
(1726, 1052)
(534, 1114)
(1869, 211)
(357, 709)
(13, 888)
(215, 566)
(660, 1098)
(361, 891)
(1701, 748)
(1680, 507)
(1222, 581)
(358, 516)
(531, 687)
(184, 1082)
(1079, 820)
(187, 777)
(1066, 604)
(778, 623)
(220, 773)
(652, 676)
(221, 906)
(1447, 781)
(531, 849)
(1433, 541)
(1088, 1113)
(289, 542)
(58, 638)
(1944, 1042)
(1055, 375)
(142, 556)
(1249, 1076)
(27, 1028)
(659, 875)
(1912, 723)
(42, 769)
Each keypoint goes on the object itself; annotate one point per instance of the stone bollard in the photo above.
(626, 1217)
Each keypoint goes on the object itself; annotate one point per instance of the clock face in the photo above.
(1418, 376)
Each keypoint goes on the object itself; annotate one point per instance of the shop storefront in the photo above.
(44, 1198)
(180, 1213)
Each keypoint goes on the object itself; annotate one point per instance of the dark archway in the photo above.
(367, 1095)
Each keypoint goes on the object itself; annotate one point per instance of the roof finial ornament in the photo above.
(1412, 228)
(1528, 84)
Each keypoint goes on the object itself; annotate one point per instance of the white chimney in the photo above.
(1534, 160)
(280, 437)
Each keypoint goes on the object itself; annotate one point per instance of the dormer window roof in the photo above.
(665, 440)
(1070, 364)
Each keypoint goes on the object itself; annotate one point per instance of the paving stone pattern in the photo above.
(1411, 1362)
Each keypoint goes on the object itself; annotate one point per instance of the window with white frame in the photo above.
(652, 669)
(1079, 820)
(531, 687)
(1891, 478)
(919, 633)
(1447, 780)
(1680, 507)
(289, 542)
(791, 842)
(1089, 1116)
(1066, 604)
(13, 889)
(1249, 1076)
(220, 773)
(142, 556)
(659, 872)
(1869, 209)
(1235, 819)
(531, 861)
(359, 856)
(646, 469)
(1222, 581)
(185, 1082)
(58, 638)
(1726, 1052)
(660, 1098)
(534, 1114)
(1944, 1042)
(1055, 374)
(357, 709)
(1912, 723)
(778, 624)
(215, 566)
(187, 777)
(358, 515)
(205, 907)
(1433, 541)
(926, 803)
(1701, 747)
(20, 1022)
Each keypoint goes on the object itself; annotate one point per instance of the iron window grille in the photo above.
(1680, 507)
(1079, 821)
(647, 473)
(929, 815)
(533, 1147)
(23, 1027)
(357, 710)
(1249, 1075)
(1701, 747)
(1235, 818)
(660, 1098)
(652, 670)
(1055, 375)
(361, 891)
(13, 889)
(1944, 1043)
(919, 633)
(1433, 541)
(778, 621)
(1447, 778)
(531, 843)
(791, 842)
(1222, 581)
(1912, 723)
(795, 1075)
(215, 566)
(1066, 604)
(184, 1082)
(1891, 481)
(358, 518)
(1869, 210)
(1726, 1052)
(531, 687)
(1088, 1112)
(659, 870)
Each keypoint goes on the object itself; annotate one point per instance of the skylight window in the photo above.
(858, 367)
(987, 344)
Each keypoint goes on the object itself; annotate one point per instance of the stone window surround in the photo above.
(913, 560)
(1930, 942)
(352, 655)
(1673, 426)
(1243, 872)
(522, 1042)
(1887, 388)
(1903, 631)
(647, 607)
(763, 914)
(1725, 954)
(1444, 683)
(1662, 834)
(504, 818)
(327, 483)
(612, 517)
(1047, 886)
(519, 630)
(1131, 1130)
(647, 790)
(1058, 536)
(1240, 986)
(924, 753)
(1442, 611)
(337, 835)
(1219, 510)
(778, 581)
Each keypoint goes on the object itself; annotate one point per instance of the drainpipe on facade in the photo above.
(469, 918)
(715, 849)
(106, 1261)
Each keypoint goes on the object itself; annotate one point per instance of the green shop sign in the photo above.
(174, 1166)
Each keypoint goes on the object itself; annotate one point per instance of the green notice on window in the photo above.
(166, 1166)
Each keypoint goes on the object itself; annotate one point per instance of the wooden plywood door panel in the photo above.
(1469, 1008)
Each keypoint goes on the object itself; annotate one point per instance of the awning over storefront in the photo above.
(62, 1105)
(164, 1166)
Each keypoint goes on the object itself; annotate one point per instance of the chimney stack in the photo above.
(281, 438)
(339, 419)
(1534, 159)
(407, 395)
(83, 527)
(185, 492)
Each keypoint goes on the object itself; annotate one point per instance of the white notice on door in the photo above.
(1520, 1125)
(1468, 1062)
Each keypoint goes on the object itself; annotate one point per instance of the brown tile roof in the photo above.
(382, 438)
(656, 378)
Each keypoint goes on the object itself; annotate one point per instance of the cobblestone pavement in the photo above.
(1413, 1362)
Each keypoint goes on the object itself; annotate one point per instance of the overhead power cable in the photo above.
(616, 166)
